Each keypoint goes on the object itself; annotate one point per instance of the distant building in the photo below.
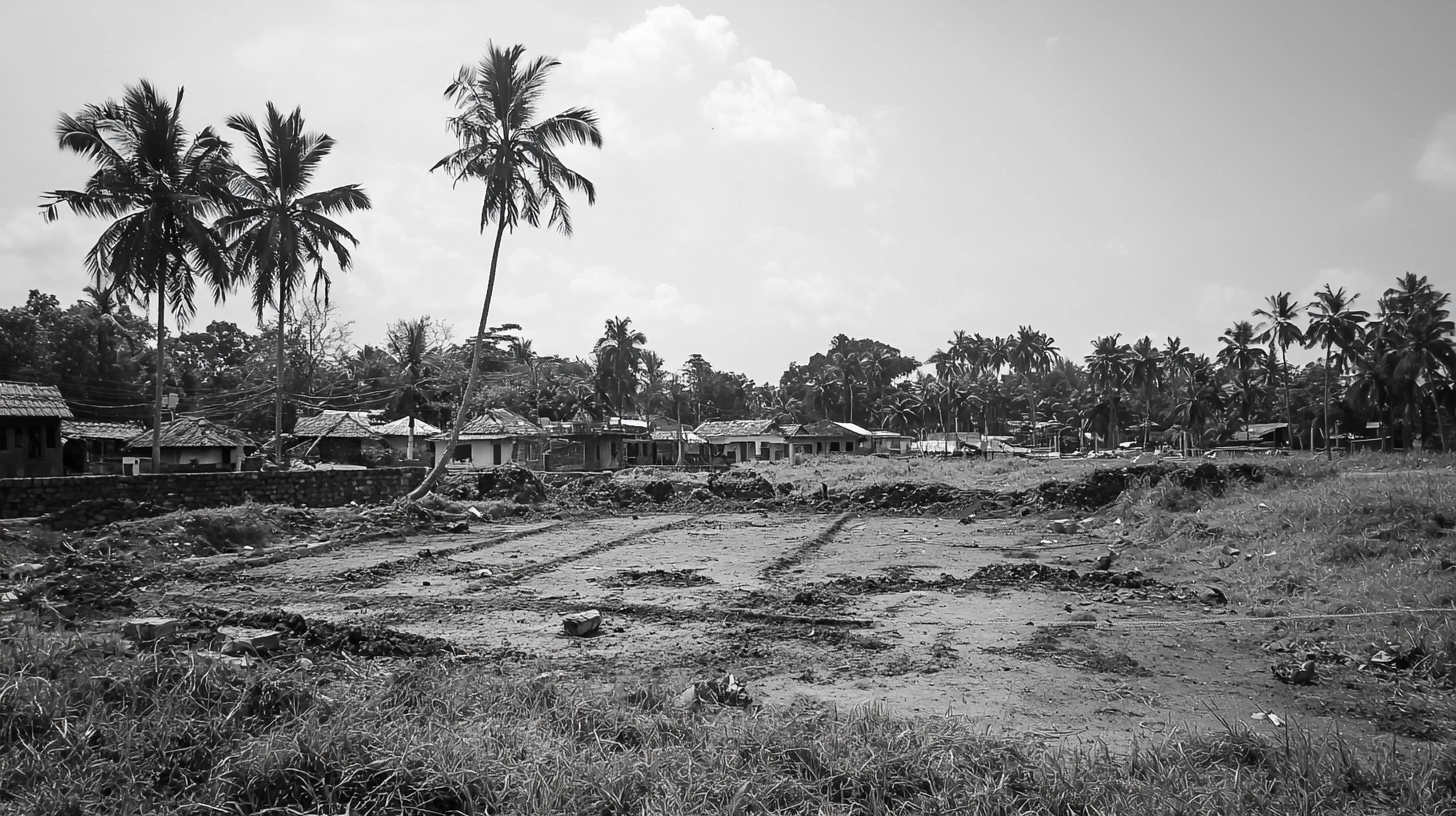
(826, 436)
(396, 435)
(30, 430)
(95, 447)
(342, 437)
(494, 438)
(745, 440)
(192, 445)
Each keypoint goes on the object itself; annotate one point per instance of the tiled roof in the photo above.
(336, 425)
(496, 423)
(77, 429)
(688, 437)
(31, 400)
(193, 432)
(400, 427)
(738, 427)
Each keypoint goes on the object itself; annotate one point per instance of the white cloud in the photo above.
(1353, 281)
(1375, 205)
(764, 106)
(1438, 162)
(668, 44)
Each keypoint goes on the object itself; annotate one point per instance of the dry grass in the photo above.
(88, 727)
(1003, 474)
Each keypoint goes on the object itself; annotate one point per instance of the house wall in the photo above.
(525, 452)
(21, 498)
(424, 447)
(822, 445)
(31, 447)
(760, 448)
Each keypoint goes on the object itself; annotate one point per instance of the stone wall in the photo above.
(20, 498)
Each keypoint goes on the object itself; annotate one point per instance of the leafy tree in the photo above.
(515, 157)
(160, 189)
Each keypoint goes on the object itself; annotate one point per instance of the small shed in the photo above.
(30, 429)
(193, 445)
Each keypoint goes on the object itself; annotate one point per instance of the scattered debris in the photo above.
(722, 691)
(249, 641)
(147, 630)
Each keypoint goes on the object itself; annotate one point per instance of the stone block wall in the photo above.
(21, 498)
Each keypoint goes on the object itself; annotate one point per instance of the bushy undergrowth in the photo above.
(87, 726)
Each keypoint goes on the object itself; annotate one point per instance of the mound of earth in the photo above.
(97, 513)
(668, 578)
(740, 484)
(509, 481)
(364, 641)
(897, 495)
(991, 575)
(1101, 487)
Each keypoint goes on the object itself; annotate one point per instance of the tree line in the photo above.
(182, 211)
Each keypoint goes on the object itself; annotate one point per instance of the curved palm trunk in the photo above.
(1288, 406)
(278, 385)
(472, 382)
(161, 366)
(1148, 412)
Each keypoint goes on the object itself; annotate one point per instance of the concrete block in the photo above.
(582, 623)
(146, 630)
(249, 641)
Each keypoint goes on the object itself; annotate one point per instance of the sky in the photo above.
(776, 173)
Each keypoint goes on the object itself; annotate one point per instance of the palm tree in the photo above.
(1178, 362)
(1109, 365)
(619, 354)
(501, 145)
(1281, 331)
(1031, 352)
(278, 230)
(1241, 355)
(414, 345)
(1146, 369)
(160, 189)
(1333, 323)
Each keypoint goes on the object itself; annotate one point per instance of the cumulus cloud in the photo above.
(1437, 165)
(764, 105)
(609, 292)
(669, 43)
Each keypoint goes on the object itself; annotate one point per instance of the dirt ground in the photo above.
(919, 615)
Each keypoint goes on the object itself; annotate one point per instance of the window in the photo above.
(36, 451)
(4, 438)
(51, 436)
(834, 447)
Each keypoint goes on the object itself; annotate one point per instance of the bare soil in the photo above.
(994, 619)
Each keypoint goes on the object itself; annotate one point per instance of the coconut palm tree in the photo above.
(161, 190)
(278, 231)
(414, 345)
(1110, 365)
(1334, 323)
(503, 145)
(1242, 357)
(1146, 369)
(1280, 330)
(619, 353)
(1031, 352)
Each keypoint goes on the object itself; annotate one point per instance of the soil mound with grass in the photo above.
(901, 495)
(318, 635)
(1102, 487)
(509, 482)
(740, 484)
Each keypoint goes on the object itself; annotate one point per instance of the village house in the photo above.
(745, 440)
(341, 437)
(586, 444)
(95, 447)
(189, 445)
(494, 438)
(890, 443)
(396, 435)
(30, 430)
(826, 436)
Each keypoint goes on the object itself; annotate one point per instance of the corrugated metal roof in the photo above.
(853, 428)
(826, 428)
(77, 429)
(400, 427)
(193, 432)
(30, 400)
(738, 427)
(336, 425)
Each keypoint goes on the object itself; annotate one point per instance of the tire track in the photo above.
(805, 550)
(532, 570)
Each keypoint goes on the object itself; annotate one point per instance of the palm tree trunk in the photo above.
(1148, 409)
(1288, 407)
(161, 367)
(473, 381)
(1329, 451)
(278, 384)
(409, 445)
